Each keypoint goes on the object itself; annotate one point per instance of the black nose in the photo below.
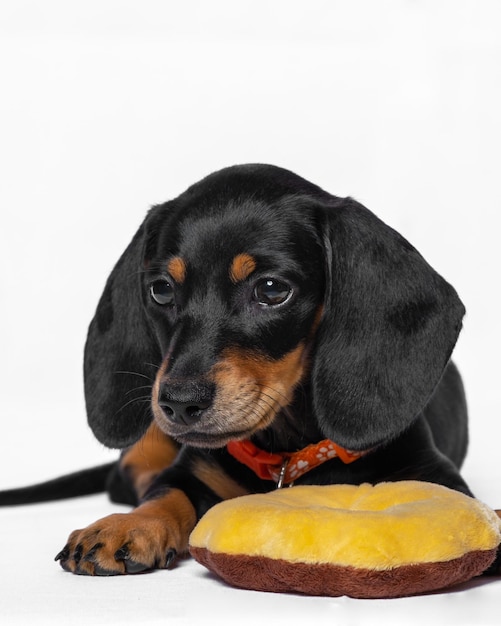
(185, 403)
(184, 412)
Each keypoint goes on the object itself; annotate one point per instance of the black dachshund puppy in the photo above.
(258, 330)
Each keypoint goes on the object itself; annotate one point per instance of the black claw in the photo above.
(131, 566)
(170, 557)
(122, 554)
(63, 555)
(92, 552)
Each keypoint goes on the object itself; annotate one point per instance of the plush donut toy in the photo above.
(368, 541)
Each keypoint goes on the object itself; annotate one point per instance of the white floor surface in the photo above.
(35, 590)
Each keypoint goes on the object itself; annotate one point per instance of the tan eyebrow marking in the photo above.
(242, 266)
(177, 269)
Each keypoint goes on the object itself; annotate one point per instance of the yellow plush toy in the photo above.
(381, 541)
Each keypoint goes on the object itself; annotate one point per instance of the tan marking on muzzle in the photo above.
(155, 392)
(265, 383)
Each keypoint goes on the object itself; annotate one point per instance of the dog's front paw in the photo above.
(126, 543)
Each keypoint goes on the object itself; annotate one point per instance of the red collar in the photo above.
(286, 467)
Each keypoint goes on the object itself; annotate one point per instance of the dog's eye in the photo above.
(271, 292)
(162, 292)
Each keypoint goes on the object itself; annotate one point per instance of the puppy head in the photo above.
(235, 279)
(246, 285)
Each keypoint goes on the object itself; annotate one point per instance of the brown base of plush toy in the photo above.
(278, 575)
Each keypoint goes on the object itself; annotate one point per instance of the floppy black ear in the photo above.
(120, 355)
(389, 326)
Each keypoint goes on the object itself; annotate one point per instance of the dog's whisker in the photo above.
(142, 399)
(275, 395)
(259, 410)
(134, 374)
(138, 388)
(270, 403)
(275, 391)
(154, 365)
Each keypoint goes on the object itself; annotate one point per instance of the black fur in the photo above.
(389, 326)
(82, 483)
(379, 377)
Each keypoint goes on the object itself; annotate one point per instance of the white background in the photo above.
(107, 107)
